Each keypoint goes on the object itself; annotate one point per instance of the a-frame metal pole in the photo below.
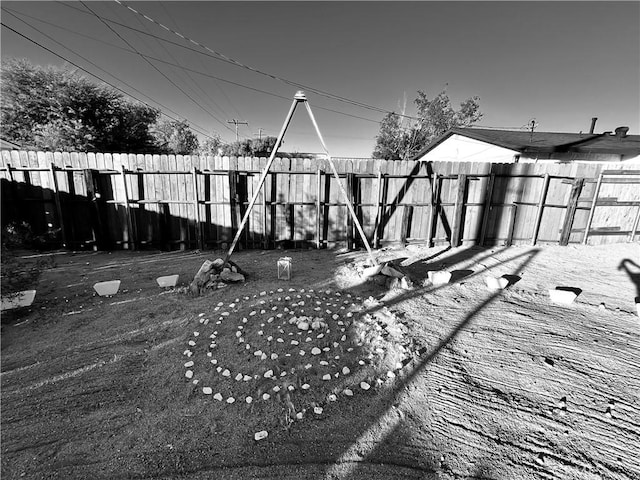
(344, 193)
(299, 97)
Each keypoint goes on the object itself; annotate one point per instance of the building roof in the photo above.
(546, 142)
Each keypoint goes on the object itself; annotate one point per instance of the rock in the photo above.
(306, 386)
(266, 396)
(390, 374)
(248, 399)
(246, 378)
(231, 277)
(188, 374)
(201, 278)
(346, 371)
(316, 351)
(226, 373)
(348, 392)
(261, 435)
(326, 376)
(189, 364)
(365, 386)
(276, 389)
(268, 374)
(406, 283)
(238, 377)
(218, 397)
(299, 415)
(303, 326)
(317, 410)
(217, 263)
(370, 271)
(332, 397)
(207, 390)
(230, 400)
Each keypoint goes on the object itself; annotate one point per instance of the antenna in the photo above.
(236, 123)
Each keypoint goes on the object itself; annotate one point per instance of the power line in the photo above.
(213, 77)
(236, 123)
(223, 58)
(154, 67)
(198, 129)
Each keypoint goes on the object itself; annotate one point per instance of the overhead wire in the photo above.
(155, 67)
(213, 77)
(232, 104)
(195, 127)
(223, 58)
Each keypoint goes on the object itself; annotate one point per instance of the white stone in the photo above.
(230, 400)
(248, 399)
(218, 397)
(268, 374)
(308, 366)
(274, 356)
(303, 326)
(294, 342)
(189, 364)
(195, 334)
(348, 392)
(317, 410)
(218, 369)
(266, 396)
(192, 343)
(326, 376)
(316, 351)
(238, 377)
(390, 374)
(226, 373)
(324, 363)
(302, 352)
(291, 388)
(365, 386)
(195, 382)
(207, 390)
(246, 378)
(306, 386)
(188, 374)
(269, 338)
(263, 356)
(257, 353)
(276, 388)
(332, 397)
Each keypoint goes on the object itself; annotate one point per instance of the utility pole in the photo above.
(236, 123)
(260, 130)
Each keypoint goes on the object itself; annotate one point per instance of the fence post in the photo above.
(456, 233)
(234, 201)
(130, 227)
(592, 210)
(56, 197)
(435, 207)
(318, 208)
(487, 208)
(350, 178)
(96, 217)
(196, 206)
(541, 202)
(576, 189)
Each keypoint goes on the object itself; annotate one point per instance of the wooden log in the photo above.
(576, 189)
(541, 202)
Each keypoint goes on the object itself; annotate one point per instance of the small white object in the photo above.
(495, 284)
(266, 396)
(326, 376)
(257, 353)
(106, 289)
(317, 410)
(274, 356)
(348, 392)
(295, 342)
(226, 373)
(218, 397)
(189, 364)
(246, 378)
(306, 386)
(167, 281)
(230, 400)
(268, 374)
(564, 297)
(365, 386)
(188, 374)
(20, 299)
(439, 278)
(346, 371)
(238, 377)
(276, 389)
(207, 390)
(316, 351)
(248, 399)
(192, 343)
(390, 374)
(332, 397)
(299, 415)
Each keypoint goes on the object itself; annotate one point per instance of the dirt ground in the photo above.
(500, 385)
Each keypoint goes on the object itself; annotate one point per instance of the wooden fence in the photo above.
(107, 201)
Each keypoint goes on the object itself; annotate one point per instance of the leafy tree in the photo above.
(435, 117)
(175, 137)
(211, 146)
(250, 147)
(53, 109)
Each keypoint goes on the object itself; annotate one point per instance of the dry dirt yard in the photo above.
(462, 382)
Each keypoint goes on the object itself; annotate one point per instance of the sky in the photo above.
(558, 63)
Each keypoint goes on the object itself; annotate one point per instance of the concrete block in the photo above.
(167, 281)
(563, 297)
(439, 278)
(21, 299)
(106, 289)
(494, 283)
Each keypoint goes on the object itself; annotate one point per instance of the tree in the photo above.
(212, 146)
(435, 117)
(53, 109)
(175, 137)
(250, 147)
